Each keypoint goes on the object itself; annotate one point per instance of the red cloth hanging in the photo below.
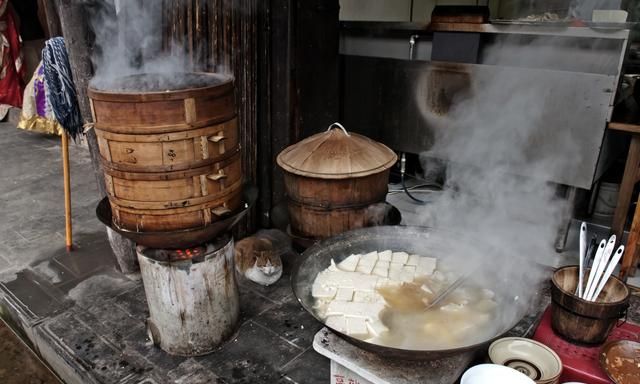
(12, 70)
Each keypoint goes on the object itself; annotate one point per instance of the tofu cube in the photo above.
(365, 268)
(426, 266)
(323, 292)
(376, 327)
(414, 260)
(380, 271)
(367, 297)
(426, 289)
(395, 275)
(385, 255)
(400, 257)
(407, 277)
(365, 283)
(339, 323)
(350, 263)
(344, 294)
(357, 327)
(370, 257)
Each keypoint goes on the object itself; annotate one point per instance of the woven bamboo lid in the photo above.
(336, 154)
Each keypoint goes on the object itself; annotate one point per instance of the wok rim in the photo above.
(388, 352)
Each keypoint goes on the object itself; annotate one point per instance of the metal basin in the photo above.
(418, 240)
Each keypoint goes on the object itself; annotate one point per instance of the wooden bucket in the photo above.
(584, 321)
(333, 182)
(170, 149)
(321, 208)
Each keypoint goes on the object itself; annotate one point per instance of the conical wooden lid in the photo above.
(336, 154)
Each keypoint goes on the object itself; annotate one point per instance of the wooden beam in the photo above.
(624, 127)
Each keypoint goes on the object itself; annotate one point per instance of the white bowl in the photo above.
(609, 16)
(494, 374)
(534, 359)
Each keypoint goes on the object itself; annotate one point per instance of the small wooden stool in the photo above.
(630, 177)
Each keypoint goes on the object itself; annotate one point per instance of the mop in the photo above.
(64, 102)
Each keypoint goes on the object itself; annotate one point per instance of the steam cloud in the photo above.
(490, 133)
(128, 41)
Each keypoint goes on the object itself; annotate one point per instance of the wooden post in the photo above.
(51, 16)
(75, 29)
(67, 191)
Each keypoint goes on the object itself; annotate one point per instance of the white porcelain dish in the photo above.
(494, 374)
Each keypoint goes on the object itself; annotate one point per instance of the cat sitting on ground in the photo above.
(258, 257)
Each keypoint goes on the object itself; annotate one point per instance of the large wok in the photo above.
(419, 240)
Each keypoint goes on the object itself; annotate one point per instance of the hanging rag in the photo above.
(12, 70)
(61, 90)
(37, 112)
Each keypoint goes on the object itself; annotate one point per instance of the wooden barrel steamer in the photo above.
(170, 150)
(332, 181)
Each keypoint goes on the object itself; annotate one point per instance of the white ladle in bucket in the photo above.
(581, 256)
(607, 274)
(604, 261)
(596, 261)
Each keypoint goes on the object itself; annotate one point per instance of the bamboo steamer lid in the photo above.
(336, 154)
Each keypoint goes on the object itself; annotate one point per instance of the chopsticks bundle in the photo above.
(604, 263)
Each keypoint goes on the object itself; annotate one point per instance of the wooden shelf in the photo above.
(624, 127)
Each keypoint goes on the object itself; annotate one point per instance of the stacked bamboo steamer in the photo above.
(171, 158)
(332, 179)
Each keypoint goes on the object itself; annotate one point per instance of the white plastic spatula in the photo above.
(604, 261)
(596, 261)
(607, 273)
(581, 256)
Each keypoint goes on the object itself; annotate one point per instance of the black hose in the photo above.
(403, 162)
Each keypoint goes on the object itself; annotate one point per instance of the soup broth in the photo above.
(382, 299)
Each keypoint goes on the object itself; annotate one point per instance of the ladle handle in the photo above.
(334, 125)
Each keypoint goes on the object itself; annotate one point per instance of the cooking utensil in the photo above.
(416, 240)
(604, 260)
(607, 274)
(588, 260)
(182, 238)
(581, 256)
(449, 290)
(596, 261)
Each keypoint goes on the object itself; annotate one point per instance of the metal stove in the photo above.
(192, 296)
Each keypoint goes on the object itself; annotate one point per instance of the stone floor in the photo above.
(87, 320)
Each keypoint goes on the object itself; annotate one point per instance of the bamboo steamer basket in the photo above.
(170, 149)
(331, 180)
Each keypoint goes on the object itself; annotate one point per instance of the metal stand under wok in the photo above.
(350, 364)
